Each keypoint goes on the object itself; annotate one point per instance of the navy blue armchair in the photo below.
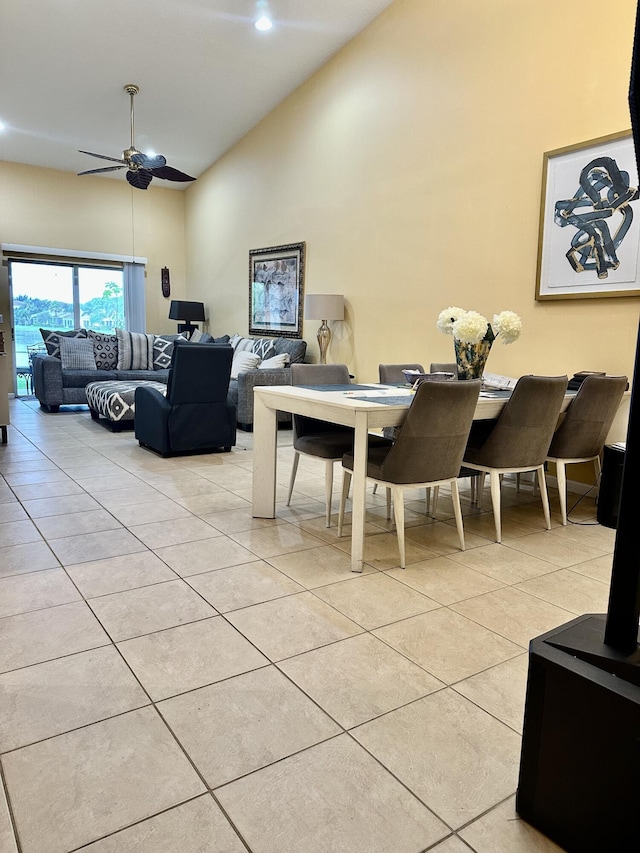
(194, 417)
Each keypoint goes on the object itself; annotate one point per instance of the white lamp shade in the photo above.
(324, 306)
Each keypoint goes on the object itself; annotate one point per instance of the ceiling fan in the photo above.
(141, 167)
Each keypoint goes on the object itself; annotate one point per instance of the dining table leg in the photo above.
(359, 486)
(265, 447)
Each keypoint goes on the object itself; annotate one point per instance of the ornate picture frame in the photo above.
(589, 238)
(276, 290)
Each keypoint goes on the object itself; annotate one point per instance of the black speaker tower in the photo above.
(580, 764)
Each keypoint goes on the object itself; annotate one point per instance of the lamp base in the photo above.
(324, 336)
(187, 328)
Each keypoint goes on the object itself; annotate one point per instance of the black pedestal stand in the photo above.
(580, 765)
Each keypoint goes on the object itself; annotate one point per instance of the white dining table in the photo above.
(362, 407)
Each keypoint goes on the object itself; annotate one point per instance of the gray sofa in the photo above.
(241, 389)
(55, 386)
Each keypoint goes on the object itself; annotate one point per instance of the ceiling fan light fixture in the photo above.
(142, 168)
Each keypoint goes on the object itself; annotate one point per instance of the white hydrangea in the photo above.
(448, 317)
(508, 325)
(471, 327)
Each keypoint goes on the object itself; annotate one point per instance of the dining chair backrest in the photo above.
(316, 374)
(444, 367)
(524, 429)
(391, 374)
(588, 419)
(434, 434)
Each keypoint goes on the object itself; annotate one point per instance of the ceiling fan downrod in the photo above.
(132, 90)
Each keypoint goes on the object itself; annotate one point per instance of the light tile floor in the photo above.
(177, 677)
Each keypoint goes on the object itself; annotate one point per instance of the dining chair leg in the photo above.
(457, 511)
(398, 515)
(561, 477)
(542, 483)
(346, 482)
(494, 482)
(436, 495)
(427, 500)
(480, 488)
(294, 471)
(328, 488)
(598, 471)
(388, 503)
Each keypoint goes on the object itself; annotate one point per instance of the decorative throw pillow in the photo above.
(241, 344)
(263, 347)
(243, 361)
(296, 348)
(224, 339)
(105, 350)
(52, 339)
(275, 361)
(135, 350)
(163, 349)
(77, 354)
(196, 336)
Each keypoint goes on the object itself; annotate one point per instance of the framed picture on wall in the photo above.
(589, 221)
(276, 290)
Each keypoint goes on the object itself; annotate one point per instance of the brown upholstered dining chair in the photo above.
(321, 439)
(444, 367)
(519, 439)
(391, 374)
(427, 452)
(583, 430)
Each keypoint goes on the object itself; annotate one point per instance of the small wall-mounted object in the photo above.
(166, 284)
(187, 311)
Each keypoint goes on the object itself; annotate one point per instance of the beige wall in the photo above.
(45, 207)
(411, 165)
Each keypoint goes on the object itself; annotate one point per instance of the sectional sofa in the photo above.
(80, 356)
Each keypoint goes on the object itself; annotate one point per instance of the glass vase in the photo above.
(471, 358)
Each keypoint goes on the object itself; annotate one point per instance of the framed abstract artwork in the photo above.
(589, 221)
(276, 290)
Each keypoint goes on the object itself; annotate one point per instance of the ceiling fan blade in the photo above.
(140, 179)
(146, 162)
(171, 174)
(101, 156)
(105, 169)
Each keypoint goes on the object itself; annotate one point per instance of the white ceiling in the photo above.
(206, 76)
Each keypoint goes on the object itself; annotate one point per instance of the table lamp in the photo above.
(324, 306)
(186, 311)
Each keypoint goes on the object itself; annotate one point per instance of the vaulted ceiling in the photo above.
(206, 75)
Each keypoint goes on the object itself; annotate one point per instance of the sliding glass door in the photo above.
(52, 295)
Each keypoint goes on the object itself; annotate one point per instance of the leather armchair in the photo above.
(194, 417)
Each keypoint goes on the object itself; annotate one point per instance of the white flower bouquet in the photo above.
(471, 327)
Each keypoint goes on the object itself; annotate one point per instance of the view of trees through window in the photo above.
(62, 296)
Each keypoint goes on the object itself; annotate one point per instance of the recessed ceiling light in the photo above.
(263, 22)
(2, 126)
